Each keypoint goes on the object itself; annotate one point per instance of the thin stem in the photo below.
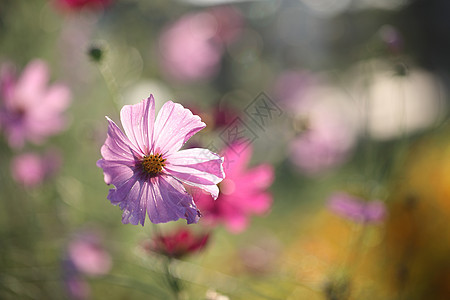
(110, 80)
(173, 282)
(111, 83)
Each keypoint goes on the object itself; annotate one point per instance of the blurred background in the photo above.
(339, 188)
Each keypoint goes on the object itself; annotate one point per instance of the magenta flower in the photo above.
(79, 4)
(29, 109)
(147, 168)
(30, 169)
(178, 243)
(356, 209)
(242, 193)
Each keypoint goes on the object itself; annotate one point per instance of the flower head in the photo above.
(29, 109)
(355, 209)
(178, 243)
(243, 192)
(30, 169)
(148, 169)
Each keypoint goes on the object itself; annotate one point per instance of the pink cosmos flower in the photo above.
(243, 192)
(178, 243)
(29, 109)
(30, 169)
(148, 169)
(356, 209)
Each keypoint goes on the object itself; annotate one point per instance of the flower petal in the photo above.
(32, 82)
(257, 203)
(115, 172)
(235, 220)
(117, 146)
(197, 167)
(174, 125)
(130, 195)
(255, 179)
(137, 121)
(118, 158)
(236, 163)
(347, 206)
(169, 201)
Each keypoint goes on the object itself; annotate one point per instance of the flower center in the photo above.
(153, 164)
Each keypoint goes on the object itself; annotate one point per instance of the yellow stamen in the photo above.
(153, 164)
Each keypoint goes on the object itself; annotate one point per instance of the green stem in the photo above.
(173, 282)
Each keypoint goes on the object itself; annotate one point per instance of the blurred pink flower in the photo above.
(323, 121)
(30, 169)
(178, 243)
(356, 209)
(148, 168)
(321, 147)
(79, 4)
(242, 192)
(189, 50)
(192, 47)
(88, 256)
(77, 288)
(29, 109)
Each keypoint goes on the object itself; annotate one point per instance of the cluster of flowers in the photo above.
(151, 176)
(144, 162)
(31, 111)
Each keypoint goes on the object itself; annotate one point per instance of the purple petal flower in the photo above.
(29, 109)
(147, 168)
(356, 209)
